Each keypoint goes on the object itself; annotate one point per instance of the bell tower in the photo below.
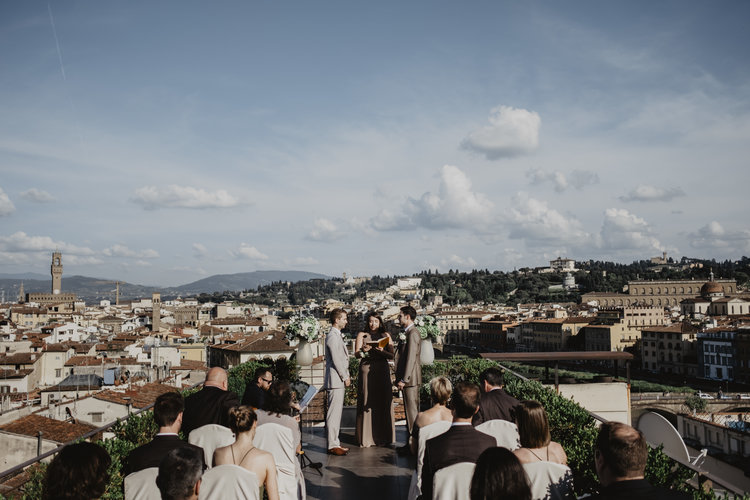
(156, 312)
(56, 269)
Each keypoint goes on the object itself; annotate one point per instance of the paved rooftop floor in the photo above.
(364, 474)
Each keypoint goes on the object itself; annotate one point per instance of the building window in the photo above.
(97, 417)
(58, 372)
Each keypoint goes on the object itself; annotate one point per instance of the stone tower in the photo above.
(156, 312)
(56, 269)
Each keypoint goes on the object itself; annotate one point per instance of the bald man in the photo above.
(211, 404)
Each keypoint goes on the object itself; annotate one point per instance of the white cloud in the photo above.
(199, 250)
(532, 219)
(645, 192)
(577, 178)
(511, 132)
(173, 196)
(713, 235)
(37, 196)
(118, 250)
(622, 230)
(457, 261)
(22, 242)
(249, 252)
(455, 205)
(324, 230)
(6, 206)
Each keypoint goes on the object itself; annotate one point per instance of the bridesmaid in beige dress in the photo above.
(375, 422)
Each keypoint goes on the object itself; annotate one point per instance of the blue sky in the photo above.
(160, 142)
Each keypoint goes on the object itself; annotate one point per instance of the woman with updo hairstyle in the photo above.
(277, 409)
(79, 471)
(243, 421)
(440, 392)
(499, 474)
(533, 430)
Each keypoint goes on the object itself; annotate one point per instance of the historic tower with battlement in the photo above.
(56, 269)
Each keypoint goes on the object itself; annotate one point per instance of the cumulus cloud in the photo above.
(713, 235)
(622, 230)
(576, 179)
(37, 196)
(511, 132)
(118, 250)
(173, 196)
(199, 250)
(6, 206)
(249, 252)
(645, 192)
(324, 230)
(532, 219)
(22, 242)
(455, 205)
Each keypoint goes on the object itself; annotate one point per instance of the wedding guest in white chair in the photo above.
(499, 474)
(180, 474)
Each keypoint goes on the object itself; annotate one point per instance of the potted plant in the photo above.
(305, 329)
(429, 331)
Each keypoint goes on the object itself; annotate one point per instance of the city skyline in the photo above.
(163, 143)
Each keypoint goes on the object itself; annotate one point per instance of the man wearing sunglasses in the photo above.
(255, 392)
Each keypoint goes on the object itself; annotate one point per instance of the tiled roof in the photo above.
(83, 361)
(140, 397)
(19, 358)
(259, 342)
(190, 364)
(682, 327)
(11, 374)
(55, 430)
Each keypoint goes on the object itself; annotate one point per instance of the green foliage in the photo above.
(350, 395)
(696, 403)
(663, 471)
(137, 430)
(239, 376)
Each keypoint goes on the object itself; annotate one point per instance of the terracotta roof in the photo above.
(11, 374)
(684, 328)
(83, 361)
(259, 342)
(55, 430)
(140, 397)
(19, 358)
(190, 364)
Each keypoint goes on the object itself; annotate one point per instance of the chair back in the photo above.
(210, 437)
(453, 482)
(428, 432)
(141, 485)
(549, 480)
(229, 481)
(504, 432)
(279, 442)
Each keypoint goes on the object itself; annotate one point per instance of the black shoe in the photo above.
(404, 450)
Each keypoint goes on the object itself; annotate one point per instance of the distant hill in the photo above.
(92, 290)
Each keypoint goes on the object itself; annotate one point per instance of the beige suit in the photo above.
(409, 370)
(337, 371)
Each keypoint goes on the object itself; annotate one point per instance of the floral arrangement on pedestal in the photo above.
(304, 328)
(427, 327)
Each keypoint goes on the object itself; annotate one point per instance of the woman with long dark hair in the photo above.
(536, 441)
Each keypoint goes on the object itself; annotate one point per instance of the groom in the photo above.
(408, 369)
(336, 380)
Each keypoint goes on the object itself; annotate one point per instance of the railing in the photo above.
(724, 483)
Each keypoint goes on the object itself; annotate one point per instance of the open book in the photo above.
(380, 343)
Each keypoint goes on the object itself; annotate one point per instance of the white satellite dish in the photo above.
(657, 430)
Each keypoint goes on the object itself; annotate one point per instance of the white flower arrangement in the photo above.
(304, 328)
(427, 327)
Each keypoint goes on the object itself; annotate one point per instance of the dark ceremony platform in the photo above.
(375, 473)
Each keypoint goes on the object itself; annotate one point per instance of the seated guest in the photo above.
(243, 422)
(255, 392)
(536, 442)
(168, 416)
(440, 393)
(211, 404)
(180, 474)
(461, 443)
(499, 474)
(495, 402)
(79, 471)
(278, 410)
(620, 461)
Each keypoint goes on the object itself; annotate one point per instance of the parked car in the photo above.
(703, 395)
(743, 396)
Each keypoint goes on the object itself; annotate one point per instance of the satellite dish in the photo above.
(657, 430)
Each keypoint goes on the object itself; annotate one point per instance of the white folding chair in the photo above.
(453, 482)
(141, 485)
(549, 480)
(229, 481)
(429, 432)
(210, 437)
(504, 432)
(279, 442)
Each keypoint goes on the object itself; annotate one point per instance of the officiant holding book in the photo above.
(375, 421)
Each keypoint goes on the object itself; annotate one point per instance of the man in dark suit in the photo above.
(409, 369)
(620, 460)
(168, 416)
(255, 392)
(461, 443)
(211, 404)
(495, 402)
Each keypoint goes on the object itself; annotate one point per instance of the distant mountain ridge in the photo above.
(95, 289)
